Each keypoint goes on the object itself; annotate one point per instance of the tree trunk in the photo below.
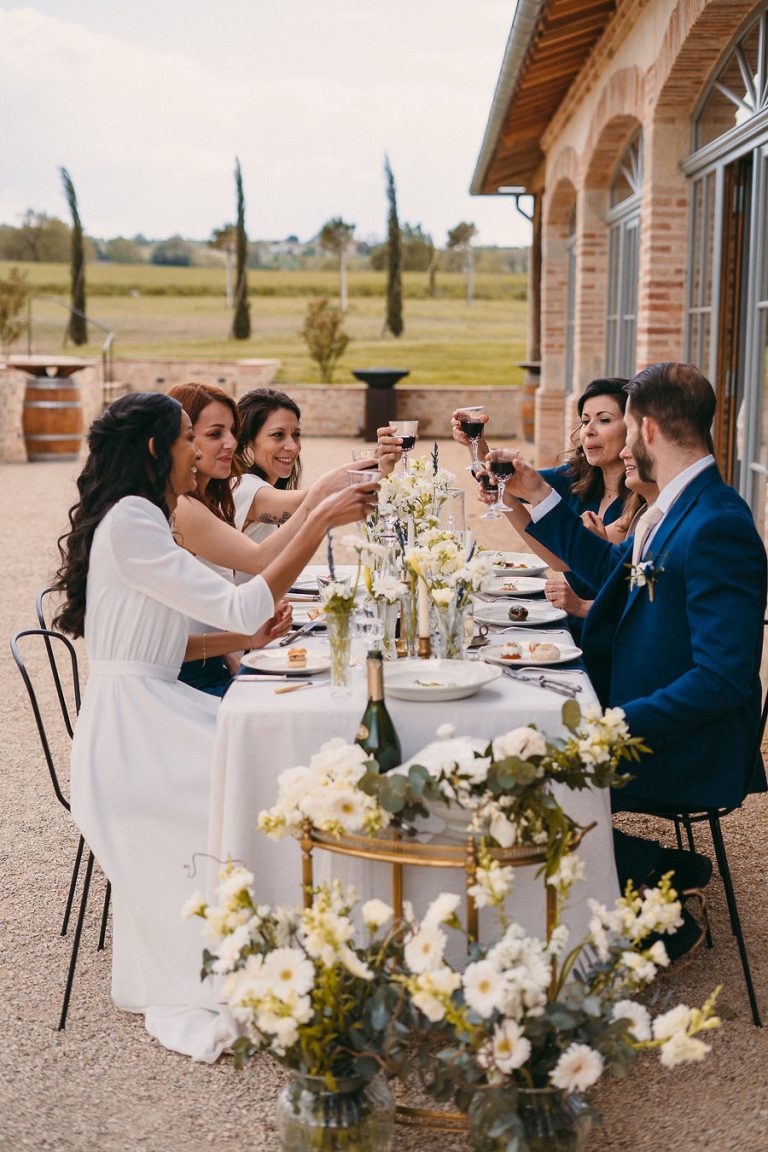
(343, 301)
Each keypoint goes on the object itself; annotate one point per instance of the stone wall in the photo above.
(337, 410)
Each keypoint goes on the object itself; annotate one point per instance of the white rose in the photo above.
(520, 742)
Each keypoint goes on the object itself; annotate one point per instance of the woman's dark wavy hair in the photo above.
(588, 483)
(254, 409)
(119, 464)
(194, 398)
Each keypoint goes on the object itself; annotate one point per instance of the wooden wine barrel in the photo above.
(52, 420)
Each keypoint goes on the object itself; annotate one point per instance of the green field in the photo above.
(181, 313)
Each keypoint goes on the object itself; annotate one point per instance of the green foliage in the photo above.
(325, 337)
(394, 317)
(14, 293)
(39, 238)
(417, 249)
(122, 251)
(335, 235)
(78, 329)
(241, 322)
(174, 252)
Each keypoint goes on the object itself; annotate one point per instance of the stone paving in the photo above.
(104, 1086)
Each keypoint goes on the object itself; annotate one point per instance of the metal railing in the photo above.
(107, 355)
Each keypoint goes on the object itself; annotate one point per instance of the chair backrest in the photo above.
(62, 659)
(756, 770)
(42, 603)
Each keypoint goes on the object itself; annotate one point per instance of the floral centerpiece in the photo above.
(518, 1042)
(413, 496)
(324, 1005)
(451, 576)
(502, 789)
(337, 597)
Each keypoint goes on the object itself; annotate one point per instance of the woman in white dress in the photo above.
(143, 745)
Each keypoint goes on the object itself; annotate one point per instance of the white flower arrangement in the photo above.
(511, 1021)
(327, 794)
(449, 574)
(416, 495)
(299, 985)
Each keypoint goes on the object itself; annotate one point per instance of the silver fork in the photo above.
(559, 686)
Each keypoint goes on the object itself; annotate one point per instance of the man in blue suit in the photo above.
(675, 633)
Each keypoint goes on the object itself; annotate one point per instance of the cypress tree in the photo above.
(241, 321)
(394, 320)
(77, 329)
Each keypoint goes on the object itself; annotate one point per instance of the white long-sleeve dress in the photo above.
(141, 763)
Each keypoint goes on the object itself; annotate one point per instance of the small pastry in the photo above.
(511, 651)
(543, 650)
(297, 657)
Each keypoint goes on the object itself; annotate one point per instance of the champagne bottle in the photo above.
(376, 733)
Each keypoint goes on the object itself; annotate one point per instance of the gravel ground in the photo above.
(104, 1085)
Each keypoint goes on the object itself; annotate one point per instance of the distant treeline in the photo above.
(45, 239)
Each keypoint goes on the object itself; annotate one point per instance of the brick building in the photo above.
(641, 129)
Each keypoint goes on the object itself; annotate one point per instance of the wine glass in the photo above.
(366, 452)
(473, 430)
(500, 470)
(363, 476)
(406, 430)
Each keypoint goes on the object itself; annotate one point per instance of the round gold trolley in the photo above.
(405, 852)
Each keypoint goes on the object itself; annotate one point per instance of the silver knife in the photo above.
(289, 639)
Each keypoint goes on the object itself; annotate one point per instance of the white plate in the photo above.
(301, 615)
(514, 586)
(437, 679)
(520, 564)
(276, 660)
(566, 652)
(539, 612)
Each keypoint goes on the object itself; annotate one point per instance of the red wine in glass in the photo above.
(407, 443)
(472, 429)
(501, 469)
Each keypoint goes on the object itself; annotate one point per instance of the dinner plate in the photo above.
(276, 660)
(519, 564)
(514, 586)
(437, 679)
(566, 653)
(539, 612)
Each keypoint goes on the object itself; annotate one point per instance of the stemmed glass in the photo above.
(500, 470)
(367, 452)
(406, 430)
(473, 430)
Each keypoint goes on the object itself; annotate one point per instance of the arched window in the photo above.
(623, 260)
(739, 90)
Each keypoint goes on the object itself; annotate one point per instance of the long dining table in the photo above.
(262, 731)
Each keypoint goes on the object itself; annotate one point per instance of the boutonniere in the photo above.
(645, 574)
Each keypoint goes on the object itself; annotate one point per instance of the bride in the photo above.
(143, 745)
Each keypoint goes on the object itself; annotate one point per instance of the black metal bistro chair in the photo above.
(686, 818)
(62, 659)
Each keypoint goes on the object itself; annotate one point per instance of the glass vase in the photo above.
(388, 612)
(450, 631)
(409, 627)
(358, 1116)
(339, 631)
(544, 1120)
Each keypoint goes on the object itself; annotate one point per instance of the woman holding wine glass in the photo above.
(143, 745)
(591, 478)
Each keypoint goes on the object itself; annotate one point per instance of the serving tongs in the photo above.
(534, 676)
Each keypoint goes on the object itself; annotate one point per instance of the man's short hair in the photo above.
(679, 398)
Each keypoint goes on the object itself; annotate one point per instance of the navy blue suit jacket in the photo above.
(684, 666)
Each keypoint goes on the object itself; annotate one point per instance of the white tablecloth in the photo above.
(261, 733)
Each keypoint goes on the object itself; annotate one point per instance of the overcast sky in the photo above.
(147, 103)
